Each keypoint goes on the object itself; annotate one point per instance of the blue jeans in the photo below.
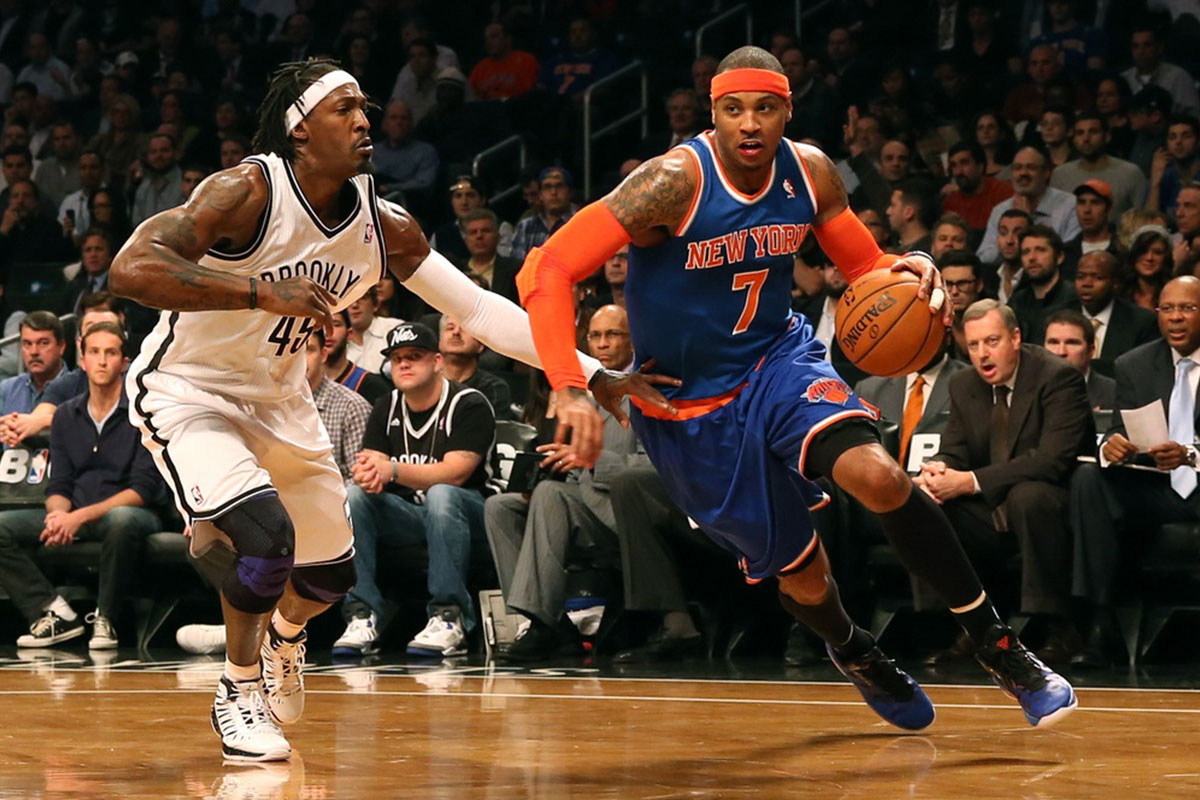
(450, 520)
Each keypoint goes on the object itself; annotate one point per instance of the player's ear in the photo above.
(299, 134)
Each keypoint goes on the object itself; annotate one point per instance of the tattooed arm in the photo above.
(655, 197)
(157, 266)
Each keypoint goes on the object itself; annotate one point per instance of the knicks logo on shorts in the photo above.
(827, 390)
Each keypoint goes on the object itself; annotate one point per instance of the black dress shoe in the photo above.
(538, 642)
(799, 651)
(1060, 647)
(1094, 653)
(662, 648)
(963, 650)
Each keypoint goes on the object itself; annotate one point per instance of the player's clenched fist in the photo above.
(297, 297)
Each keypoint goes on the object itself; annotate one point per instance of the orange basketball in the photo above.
(883, 328)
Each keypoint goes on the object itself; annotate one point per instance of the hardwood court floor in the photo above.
(73, 730)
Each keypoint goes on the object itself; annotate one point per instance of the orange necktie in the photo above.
(912, 416)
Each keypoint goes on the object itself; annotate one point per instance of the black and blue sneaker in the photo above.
(888, 690)
(1044, 695)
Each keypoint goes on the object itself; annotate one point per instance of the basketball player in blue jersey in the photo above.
(257, 257)
(760, 414)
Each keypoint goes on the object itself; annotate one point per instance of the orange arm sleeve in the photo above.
(575, 251)
(849, 245)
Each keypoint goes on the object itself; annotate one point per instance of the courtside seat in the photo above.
(1168, 582)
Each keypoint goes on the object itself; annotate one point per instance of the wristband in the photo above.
(253, 294)
(395, 474)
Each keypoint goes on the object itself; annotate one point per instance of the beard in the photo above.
(338, 352)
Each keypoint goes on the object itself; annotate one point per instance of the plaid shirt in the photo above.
(344, 412)
(532, 232)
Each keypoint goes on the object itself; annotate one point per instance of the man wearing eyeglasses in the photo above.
(962, 275)
(1108, 503)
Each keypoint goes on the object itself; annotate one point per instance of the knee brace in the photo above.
(265, 542)
(325, 583)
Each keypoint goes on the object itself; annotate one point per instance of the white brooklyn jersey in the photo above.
(256, 355)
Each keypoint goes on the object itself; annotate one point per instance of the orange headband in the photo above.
(750, 80)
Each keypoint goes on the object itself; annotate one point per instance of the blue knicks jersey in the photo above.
(708, 302)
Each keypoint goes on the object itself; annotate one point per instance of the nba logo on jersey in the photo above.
(370, 233)
(37, 467)
(788, 189)
(199, 498)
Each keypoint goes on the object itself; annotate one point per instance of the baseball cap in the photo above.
(410, 334)
(452, 75)
(463, 181)
(1097, 187)
(561, 171)
(1152, 98)
(127, 57)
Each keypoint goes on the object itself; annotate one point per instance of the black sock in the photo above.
(928, 547)
(829, 620)
(979, 620)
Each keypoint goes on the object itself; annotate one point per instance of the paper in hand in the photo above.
(1146, 427)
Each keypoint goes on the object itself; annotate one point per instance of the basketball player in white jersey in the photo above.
(259, 256)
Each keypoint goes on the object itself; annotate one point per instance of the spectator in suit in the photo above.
(1093, 204)
(1043, 203)
(1114, 511)
(962, 275)
(1090, 137)
(1175, 165)
(1045, 290)
(341, 370)
(919, 401)
(343, 411)
(482, 238)
(1069, 335)
(972, 194)
(683, 122)
(949, 233)
(1119, 325)
(531, 537)
(58, 175)
(1003, 277)
(460, 363)
(97, 252)
(816, 107)
(1148, 68)
(1017, 422)
(102, 486)
(420, 479)
(911, 213)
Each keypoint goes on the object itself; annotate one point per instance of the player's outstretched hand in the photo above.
(609, 386)
(579, 421)
(932, 287)
(298, 297)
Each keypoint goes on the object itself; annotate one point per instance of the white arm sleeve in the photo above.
(491, 318)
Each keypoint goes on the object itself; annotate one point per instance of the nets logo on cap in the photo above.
(410, 334)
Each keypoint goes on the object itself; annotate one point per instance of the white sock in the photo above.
(63, 609)
(240, 674)
(286, 629)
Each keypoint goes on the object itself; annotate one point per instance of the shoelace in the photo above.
(44, 624)
(254, 711)
(1019, 667)
(881, 672)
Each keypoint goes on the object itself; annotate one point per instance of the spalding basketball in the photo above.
(881, 326)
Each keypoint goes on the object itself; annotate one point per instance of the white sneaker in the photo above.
(201, 639)
(443, 636)
(241, 718)
(283, 675)
(104, 635)
(358, 638)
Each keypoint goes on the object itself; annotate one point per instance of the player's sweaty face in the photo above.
(338, 130)
(749, 126)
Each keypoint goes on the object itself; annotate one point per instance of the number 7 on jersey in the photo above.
(754, 282)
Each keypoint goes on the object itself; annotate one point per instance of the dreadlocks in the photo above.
(287, 84)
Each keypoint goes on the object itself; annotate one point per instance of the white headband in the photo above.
(317, 91)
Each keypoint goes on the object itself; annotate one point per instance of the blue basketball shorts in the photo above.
(738, 470)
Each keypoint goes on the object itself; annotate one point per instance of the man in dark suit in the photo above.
(1104, 498)
(918, 402)
(1045, 290)
(1018, 421)
(1070, 336)
(482, 239)
(1119, 324)
(683, 120)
